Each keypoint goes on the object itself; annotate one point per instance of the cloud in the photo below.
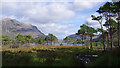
(79, 6)
(94, 23)
(38, 12)
(57, 29)
(44, 13)
(56, 0)
(51, 13)
(47, 16)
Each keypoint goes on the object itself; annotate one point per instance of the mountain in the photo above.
(12, 27)
(74, 36)
(95, 38)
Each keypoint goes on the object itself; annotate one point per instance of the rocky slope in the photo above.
(12, 27)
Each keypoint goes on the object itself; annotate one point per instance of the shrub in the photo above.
(61, 44)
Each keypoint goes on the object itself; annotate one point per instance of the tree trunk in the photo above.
(85, 42)
(29, 42)
(54, 43)
(107, 41)
(119, 29)
(3, 42)
(111, 40)
(47, 42)
(103, 43)
(111, 37)
(51, 43)
(102, 37)
(82, 41)
(91, 42)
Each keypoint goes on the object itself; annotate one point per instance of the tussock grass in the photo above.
(41, 55)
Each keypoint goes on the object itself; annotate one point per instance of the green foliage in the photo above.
(28, 38)
(91, 31)
(98, 18)
(41, 40)
(68, 40)
(51, 38)
(78, 41)
(107, 7)
(55, 39)
(97, 44)
(47, 39)
(20, 39)
(23, 39)
(87, 44)
(33, 40)
(107, 59)
(101, 30)
(65, 39)
(5, 40)
(83, 30)
(61, 44)
(115, 41)
(109, 11)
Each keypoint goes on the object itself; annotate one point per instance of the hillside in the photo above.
(12, 27)
(95, 38)
(74, 36)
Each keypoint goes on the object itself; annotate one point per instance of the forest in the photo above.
(24, 50)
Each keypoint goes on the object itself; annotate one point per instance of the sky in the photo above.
(58, 17)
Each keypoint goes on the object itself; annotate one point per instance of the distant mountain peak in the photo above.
(12, 27)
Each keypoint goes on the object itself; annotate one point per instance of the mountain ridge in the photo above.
(75, 37)
(12, 27)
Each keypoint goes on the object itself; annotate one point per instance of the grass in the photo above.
(109, 59)
(41, 56)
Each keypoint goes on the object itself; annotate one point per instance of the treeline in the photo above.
(110, 12)
(72, 41)
(27, 40)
